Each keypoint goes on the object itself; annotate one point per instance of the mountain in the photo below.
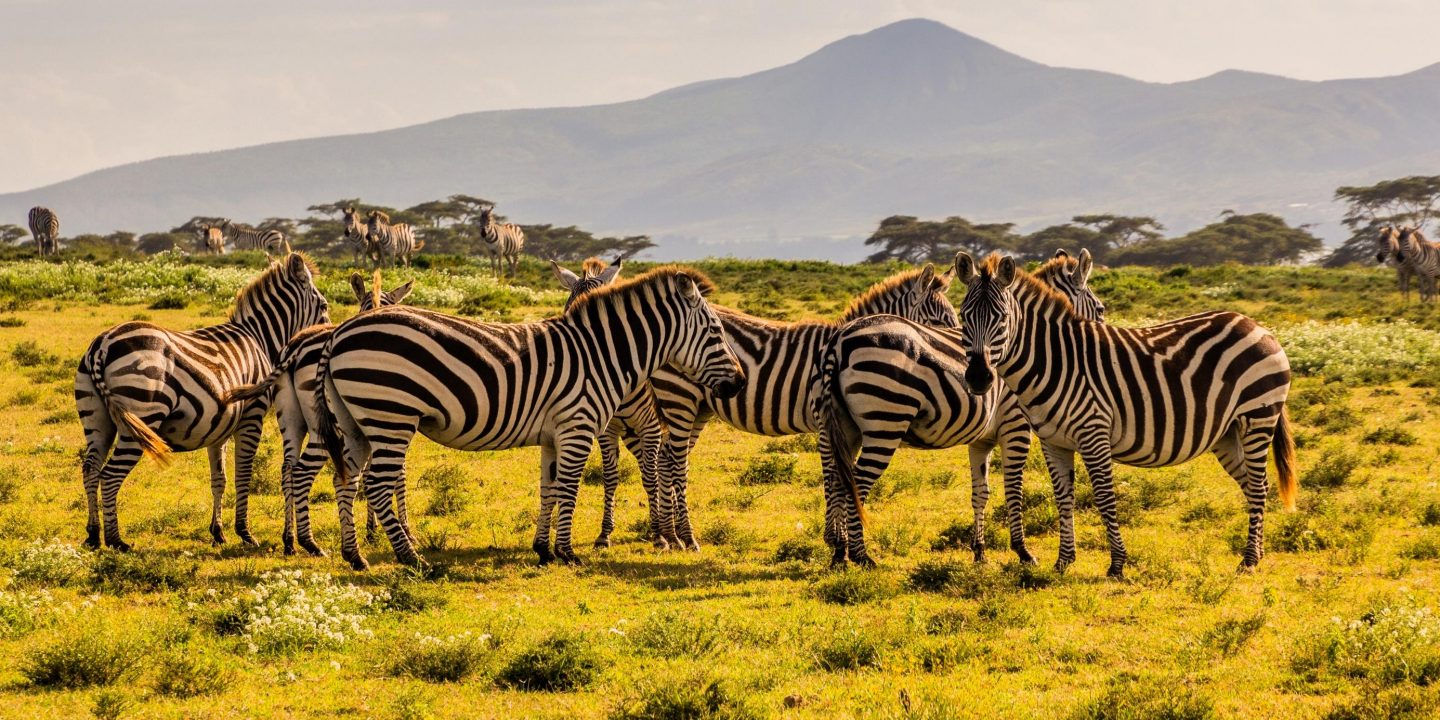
(912, 118)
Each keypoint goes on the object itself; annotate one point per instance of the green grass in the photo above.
(754, 625)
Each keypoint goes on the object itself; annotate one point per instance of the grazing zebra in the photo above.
(267, 241)
(1150, 397)
(388, 242)
(1387, 252)
(209, 238)
(780, 360)
(45, 228)
(554, 383)
(151, 390)
(292, 385)
(355, 234)
(886, 381)
(504, 241)
(635, 421)
(1422, 257)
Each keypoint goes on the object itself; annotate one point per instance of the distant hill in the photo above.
(913, 118)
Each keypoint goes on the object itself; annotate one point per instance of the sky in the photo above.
(89, 84)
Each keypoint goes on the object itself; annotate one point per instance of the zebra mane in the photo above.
(265, 279)
(1031, 283)
(883, 287)
(385, 218)
(659, 274)
(1066, 264)
(593, 266)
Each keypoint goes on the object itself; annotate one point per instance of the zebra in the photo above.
(149, 390)
(1387, 252)
(209, 239)
(355, 234)
(1422, 258)
(1150, 396)
(387, 241)
(780, 360)
(554, 383)
(267, 241)
(504, 241)
(45, 228)
(635, 420)
(292, 385)
(886, 381)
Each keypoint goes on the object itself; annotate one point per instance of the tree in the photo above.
(1256, 239)
(1042, 244)
(336, 208)
(1120, 231)
(11, 234)
(1409, 200)
(569, 244)
(908, 239)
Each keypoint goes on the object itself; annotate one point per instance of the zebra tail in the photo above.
(250, 392)
(1283, 444)
(832, 414)
(419, 245)
(150, 442)
(333, 427)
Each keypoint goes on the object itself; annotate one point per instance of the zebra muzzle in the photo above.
(978, 377)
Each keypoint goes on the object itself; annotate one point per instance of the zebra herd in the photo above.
(1412, 256)
(649, 360)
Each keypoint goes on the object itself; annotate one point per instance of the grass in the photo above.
(80, 658)
(756, 613)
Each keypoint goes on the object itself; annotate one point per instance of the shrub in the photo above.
(792, 444)
(1003, 611)
(189, 671)
(110, 705)
(797, 549)
(448, 484)
(1311, 532)
(853, 587)
(947, 622)
(769, 469)
(720, 532)
(83, 658)
(9, 486)
(29, 354)
(1129, 697)
(1391, 643)
(1335, 418)
(1333, 470)
(1426, 548)
(1402, 703)
(686, 699)
(1371, 353)
(1391, 435)
(289, 611)
(488, 302)
(847, 647)
(558, 663)
(960, 578)
(412, 703)
(958, 535)
(1430, 516)
(141, 572)
(22, 611)
(434, 659)
(10, 321)
(1228, 636)
(170, 301)
(51, 562)
(945, 654)
(406, 590)
(673, 633)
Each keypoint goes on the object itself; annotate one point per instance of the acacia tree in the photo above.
(12, 233)
(1413, 200)
(909, 239)
(1255, 239)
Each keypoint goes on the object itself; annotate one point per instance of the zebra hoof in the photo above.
(659, 543)
(117, 544)
(543, 550)
(92, 538)
(217, 534)
(1116, 572)
(1023, 555)
(1247, 567)
(602, 544)
(838, 561)
(692, 546)
(979, 556)
(356, 560)
(288, 549)
(247, 539)
(313, 550)
(569, 558)
(865, 562)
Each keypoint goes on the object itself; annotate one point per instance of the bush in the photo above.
(792, 444)
(289, 611)
(797, 549)
(1391, 435)
(672, 633)
(1402, 703)
(22, 611)
(1333, 470)
(959, 534)
(946, 654)
(686, 699)
(947, 622)
(406, 590)
(9, 486)
(188, 672)
(141, 572)
(440, 660)
(847, 647)
(1370, 353)
(448, 484)
(110, 705)
(853, 587)
(1311, 532)
(50, 562)
(170, 301)
(959, 578)
(1391, 643)
(29, 354)
(558, 663)
(1430, 516)
(1425, 548)
(769, 469)
(1129, 697)
(88, 657)
(1228, 636)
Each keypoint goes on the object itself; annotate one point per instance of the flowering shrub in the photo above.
(1358, 351)
(290, 610)
(1393, 642)
(436, 659)
(52, 562)
(21, 611)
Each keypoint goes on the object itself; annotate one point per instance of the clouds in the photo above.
(89, 85)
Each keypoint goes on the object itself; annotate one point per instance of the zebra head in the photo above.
(987, 314)
(703, 354)
(1387, 243)
(373, 297)
(1071, 278)
(925, 300)
(354, 228)
(594, 275)
(282, 301)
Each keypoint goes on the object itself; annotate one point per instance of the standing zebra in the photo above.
(1388, 252)
(387, 242)
(292, 385)
(209, 239)
(267, 241)
(1150, 397)
(504, 241)
(635, 421)
(488, 386)
(355, 233)
(780, 359)
(151, 390)
(45, 228)
(1422, 257)
(886, 381)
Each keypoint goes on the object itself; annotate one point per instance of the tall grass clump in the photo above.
(119, 572)
(693, 698)
(560, 663)
(769, 469)
(50, 562)
(847, 646)
(1393, 642)
(854, 587)
(189, 671)
(79, 658)
(440, 659)
(1333, 470)
(670, 632)
(1130, 697)
(289, 611)
(448, 484)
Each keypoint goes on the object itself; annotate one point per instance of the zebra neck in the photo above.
(266, 331)
(627, 342)
(1038, 317)
(878, 305)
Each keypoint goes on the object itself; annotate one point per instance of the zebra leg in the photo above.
(302, 481)
(247, 441)
(680, 496)
(644, 444)
(287, 485)
(609, 442)
(1243, 453)
(1096, 454)
(573, 452)
(383, 475)
(217, 490)
(837, 502)
(876, 452)
(99, 435)
(980, 493)
(372, 526)
(1061, 463)
(1014, 451)
(122, 460)
(345, 507)
(402, 511)
(548, 492)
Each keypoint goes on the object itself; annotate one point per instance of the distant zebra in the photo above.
(388, 242)
(1387, 252)
(292, 385)
(209, 239)
(355, 230)
(555, 383)
(1150, 397)
(243, 239)
(635, 420)
(504, 241)
(151, 390)
(780, 360)
(45, 228)
(1422, 257)
(886, 382)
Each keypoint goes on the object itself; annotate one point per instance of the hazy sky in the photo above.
(90, 84)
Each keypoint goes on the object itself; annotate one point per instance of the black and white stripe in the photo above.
(243, 239)
(151, 390)
(355, 231)
(45, 228)
(555, 383)
(209, 239)
(1422, 258)
(387, 241)
(1150, 397)
(292, 386)
(503, 241)
(887, 382)
(780, 359)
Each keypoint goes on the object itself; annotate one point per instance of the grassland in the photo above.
(1338, 622)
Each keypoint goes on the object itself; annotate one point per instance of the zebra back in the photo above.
(267, 241)
(45, 229)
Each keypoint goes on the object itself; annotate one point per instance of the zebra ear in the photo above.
(1060, 253)
(295, 265)
(965, 267)
(398, 294)
(927, 278)
(1005, 272)
(357, 284)
(1087, 263)
(609, 274)
(567, 279)
(689, 290)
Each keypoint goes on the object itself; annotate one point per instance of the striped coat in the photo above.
(209, 239)
(45, 228)
(388, 242)
(1150, 397)
(248, 239)
(1422, 258)
(504, 241)
(144, 389)
(781, 361)
(355, 234)
(556, 383)
(1387, 252)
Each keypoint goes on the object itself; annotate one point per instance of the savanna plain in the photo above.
(1338, 622)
